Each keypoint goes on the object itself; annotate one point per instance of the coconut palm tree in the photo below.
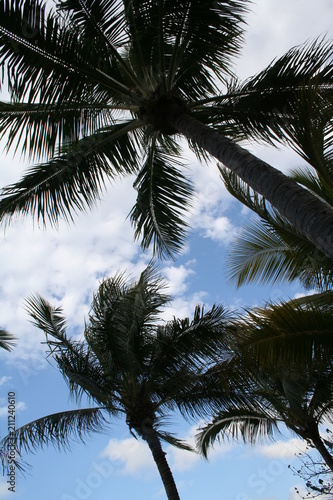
(300, 402)
(271, 250)
(296, 394)
(102, 88)
(129, 364)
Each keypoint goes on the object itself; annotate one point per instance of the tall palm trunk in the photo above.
(154, 444)
(310, 216)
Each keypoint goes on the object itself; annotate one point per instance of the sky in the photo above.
(66, 265)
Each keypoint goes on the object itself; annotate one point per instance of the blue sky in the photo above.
(65, 267)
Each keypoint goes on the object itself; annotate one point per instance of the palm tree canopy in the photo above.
(130, 363)
(293, 390)
(301, 402)
(96, 86)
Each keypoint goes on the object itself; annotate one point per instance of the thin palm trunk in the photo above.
(309, 214)
(321, 448)
(154, 444)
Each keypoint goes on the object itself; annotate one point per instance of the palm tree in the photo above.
(271, 249)
(296, 394)
(300, 402)
(129, 364)
(102, 88)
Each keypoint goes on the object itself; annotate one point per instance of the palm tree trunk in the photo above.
(154, 444)
(321, 448)
(310, 216)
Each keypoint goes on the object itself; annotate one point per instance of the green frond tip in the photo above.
(173, 441)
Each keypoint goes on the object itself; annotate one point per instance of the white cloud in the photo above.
(20, 406)
(218, 228)
(176, 277)
(275, 21)
(283, 449)
(4, 380)
(4, 492)
(130, 456)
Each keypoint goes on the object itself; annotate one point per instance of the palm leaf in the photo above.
(122, 318)
(314, 182)
(206, 36)
(39, 129)
(7, 340)
(271, 250)
(294, 332)
(50, 320)
(58, 429)
(173, 441)
(74, 180)
(164, 196)
(272, 105)
(49, 58)
(251, 425)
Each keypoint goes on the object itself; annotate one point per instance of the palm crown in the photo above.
(99, 89)
(296, 390)
(129, 364)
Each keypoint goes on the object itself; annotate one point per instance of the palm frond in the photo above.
(39, 129)
(164, 196)
(73, 181)
(203, 336)
(76, 361)
(238, 423)
(293, 333)
(50, 320)
(105, 21)
(270, 105)
(49, 58)
(204, 37)
(122, 320)
(321, 185)
(103, 18)
(7, 340)
(270, 249)
(58, 429)
(173, 441)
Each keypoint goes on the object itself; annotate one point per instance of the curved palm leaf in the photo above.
(73, 181)
(48, 126)
(58, 429)
(297, 394)
(164, 196)
(294, 332)
(249, 424)
(178, 443)
(270, 249)
(273, 105)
